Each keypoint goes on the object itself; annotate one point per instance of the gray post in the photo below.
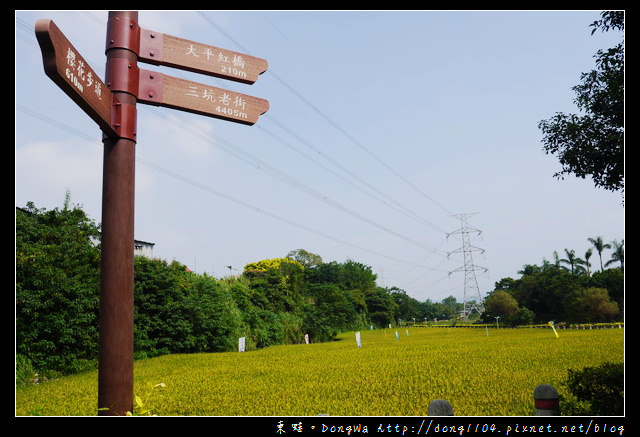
(440, 407)
(546, 400)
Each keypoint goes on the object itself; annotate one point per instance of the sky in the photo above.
(383, 129)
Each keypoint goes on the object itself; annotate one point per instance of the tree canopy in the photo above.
(592, 144)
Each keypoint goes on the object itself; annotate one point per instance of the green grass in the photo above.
(479, 375)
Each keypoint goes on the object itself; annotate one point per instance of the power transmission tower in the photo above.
(471, 289)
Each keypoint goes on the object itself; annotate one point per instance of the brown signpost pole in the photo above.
(112, 105)
(115, 368)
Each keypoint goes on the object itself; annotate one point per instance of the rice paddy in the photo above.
(481, 372)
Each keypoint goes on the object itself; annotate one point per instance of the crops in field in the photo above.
(481, 372)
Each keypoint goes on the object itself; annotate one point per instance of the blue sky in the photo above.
(382, 126)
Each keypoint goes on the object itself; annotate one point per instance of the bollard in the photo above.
(546, 400)
(440, 407)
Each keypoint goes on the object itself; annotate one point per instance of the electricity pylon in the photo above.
(471, 289)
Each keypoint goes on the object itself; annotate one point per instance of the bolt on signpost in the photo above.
(112, 106)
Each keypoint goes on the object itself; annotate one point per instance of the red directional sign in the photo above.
(160, 49)
(172, 92)
(65, 67)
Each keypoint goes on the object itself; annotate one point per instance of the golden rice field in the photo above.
(479, 374)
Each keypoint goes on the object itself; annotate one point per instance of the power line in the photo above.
(282, 176)
(298, 185)
(390, 201)
(397, 207)
(329, 120)
(213, 191)
(260, 164)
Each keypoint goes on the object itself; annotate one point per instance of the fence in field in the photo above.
(545, 398)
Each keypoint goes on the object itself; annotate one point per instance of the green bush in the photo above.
(25, 373)
(57, 288)
(598, 391)
(177, 311)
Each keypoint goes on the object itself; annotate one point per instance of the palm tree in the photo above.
(546, 265)
(618, 254)
(529, 269)
(556, 258)
(573, 261)
(600, 246)
(587, 255)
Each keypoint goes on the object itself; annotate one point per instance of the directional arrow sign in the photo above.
(159, 49)
(163, 90)
(67, 69)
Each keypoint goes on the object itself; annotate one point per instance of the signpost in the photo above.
(66, 67)
(112, 105)
(172, 92)
(159, 49)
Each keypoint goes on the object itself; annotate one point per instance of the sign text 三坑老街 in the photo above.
(172, 92)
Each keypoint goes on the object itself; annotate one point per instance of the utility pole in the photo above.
(471, 289)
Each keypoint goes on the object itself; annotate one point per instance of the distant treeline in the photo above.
(274, 301)
(567, 290)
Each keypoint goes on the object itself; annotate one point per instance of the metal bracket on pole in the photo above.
(123, 77)
(123, 33)
(150, 87)
(122, 74)
(151, 46)
(124, 119)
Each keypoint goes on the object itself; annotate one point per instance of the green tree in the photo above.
(587, 264)
(529, 269)
(381, 307)
(331, 310)
(590, 305)
(444, 310)
(572, 261)
(276, 283)
(505, 284)
(600, 246)
(428, 310)
(545, 292)
(355, 275)
(524, 316)
(556, 259)
(618, 254)
(408, 307)
(156, 292)
(307, 259)
(501, 303)
(324, 273)
(613, 281)
(452, 304)
(57, 287)
(214, 320)
(592, 144)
